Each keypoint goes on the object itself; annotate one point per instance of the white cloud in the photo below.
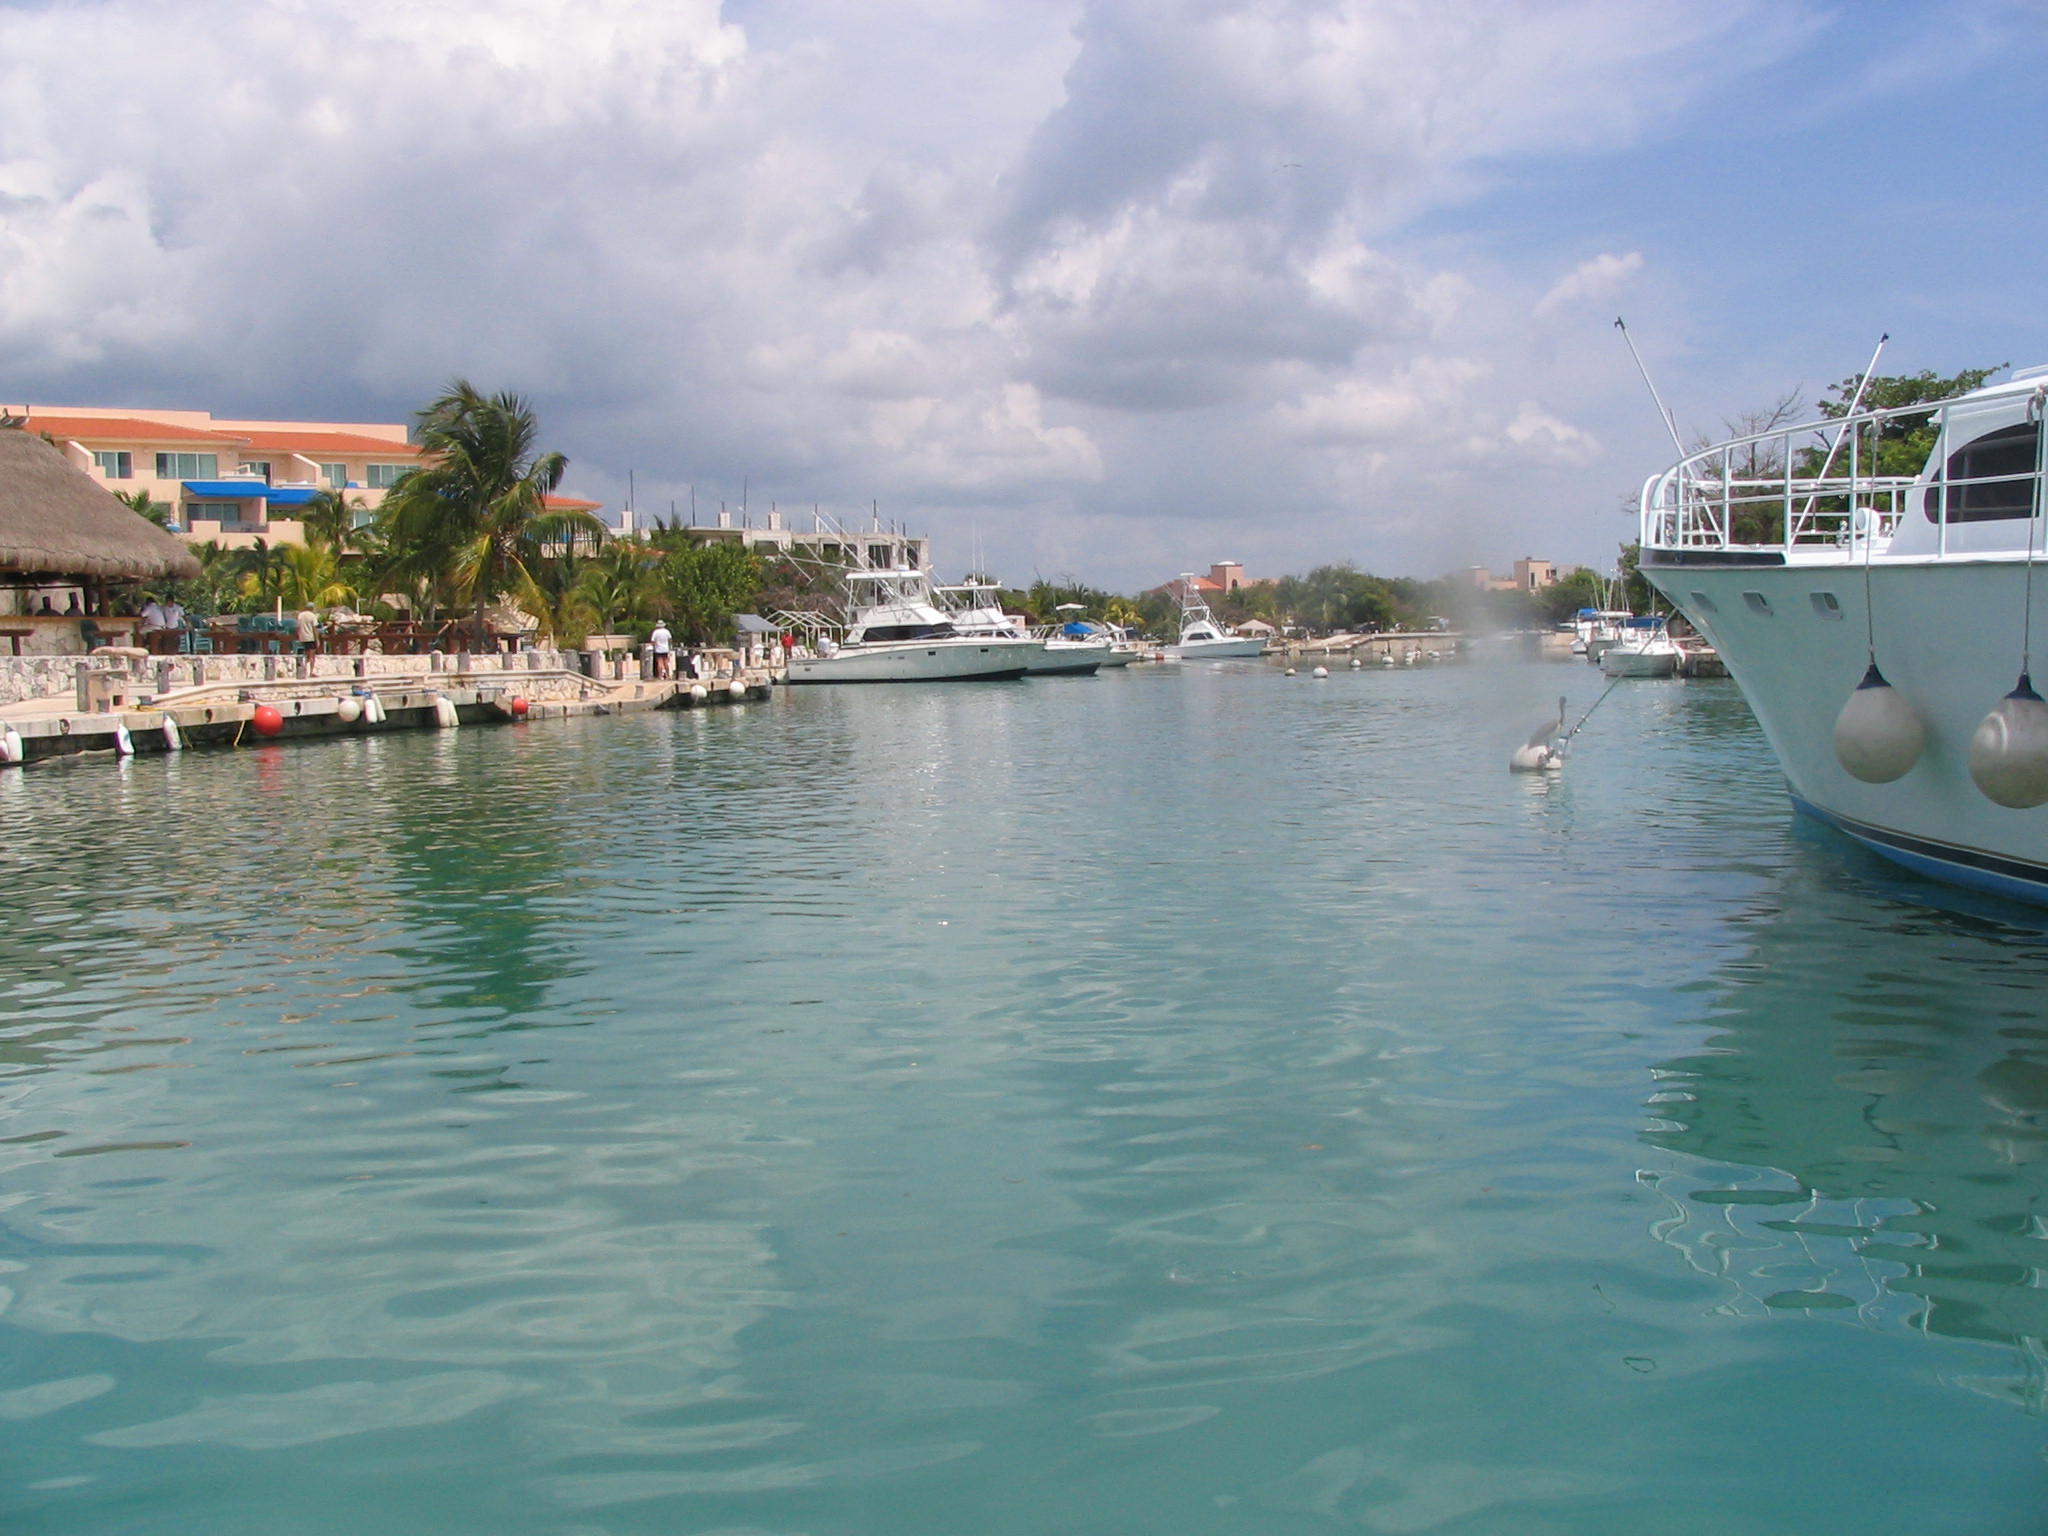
(1594, 281)
(969, 259)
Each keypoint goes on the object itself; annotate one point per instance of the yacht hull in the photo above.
(1947, 636)
(919, 661)
(1218, 650)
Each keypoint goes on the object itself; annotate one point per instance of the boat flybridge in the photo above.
(1877, 622)
(1201, 637)
(896, 633)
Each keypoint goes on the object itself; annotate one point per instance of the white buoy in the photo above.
(10, 746)
(699, 693)
(1878, 735)
(173, 741)
(1356, 663)
(736, 688)
(1320, 672)
(1541, 752)
(2009, 753)
(1290, 671)
(444, 713)
(124, 744)
(348, 709)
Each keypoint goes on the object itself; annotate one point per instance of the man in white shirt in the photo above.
(664, 644)
(162, 618)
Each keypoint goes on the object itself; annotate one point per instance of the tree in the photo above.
(474, 518)
(138, 501)
(1904, 442)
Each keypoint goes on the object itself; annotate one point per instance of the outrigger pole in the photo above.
(1670, 423)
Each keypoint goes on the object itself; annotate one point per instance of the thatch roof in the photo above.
(56, 520)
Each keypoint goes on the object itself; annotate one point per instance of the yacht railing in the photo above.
(1761, 492)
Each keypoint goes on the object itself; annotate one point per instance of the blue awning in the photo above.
(227, 490)
(292, 495)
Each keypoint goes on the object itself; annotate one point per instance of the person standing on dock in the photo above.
(664, 646)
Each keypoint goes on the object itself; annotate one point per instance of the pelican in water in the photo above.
(1542, 752)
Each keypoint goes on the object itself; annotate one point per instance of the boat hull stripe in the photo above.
(1945, 861)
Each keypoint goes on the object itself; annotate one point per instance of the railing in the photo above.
(1786, 488)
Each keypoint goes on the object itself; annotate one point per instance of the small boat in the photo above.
(1595, 629)
(1645, 649)
(1201, 637)
(897, 634)
(1876, 623)
(1117, 649)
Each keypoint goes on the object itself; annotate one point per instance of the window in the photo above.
(383, 476)
(260, 469)
(1758, 603)
(1704, 603)
(1989, 478)
(115, 463)
(1826, 604)
(336, 476)
(187, 466)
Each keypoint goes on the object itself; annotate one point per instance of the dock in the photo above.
(125, 705)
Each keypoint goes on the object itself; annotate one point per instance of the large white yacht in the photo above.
(1201, 637)
(1877, 624)
(895, 633)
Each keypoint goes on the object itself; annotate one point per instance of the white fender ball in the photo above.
(736, 688)
(349, 709)
(699, 693)
(1878, 735)
(2009, 753)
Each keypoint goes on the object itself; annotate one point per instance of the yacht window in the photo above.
(1703, 603)
(1826, 605)
(1989, 478)
(907, 631)
(1758, 603)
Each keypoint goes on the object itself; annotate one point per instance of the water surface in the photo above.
(1190, 1100)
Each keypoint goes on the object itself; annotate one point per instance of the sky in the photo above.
(1099, 290)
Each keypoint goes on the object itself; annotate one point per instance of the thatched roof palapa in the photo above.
(57, 521)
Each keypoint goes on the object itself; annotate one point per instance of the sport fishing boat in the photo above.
(1595, 629)
(1201, 637)
(976, 608)
(1876, 623)
(896, 634)
(1116, 649)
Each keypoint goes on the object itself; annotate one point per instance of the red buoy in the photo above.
(267, 721)
(519, 709)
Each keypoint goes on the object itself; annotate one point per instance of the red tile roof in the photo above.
(131, 429)
(571, 503)
(333, 444)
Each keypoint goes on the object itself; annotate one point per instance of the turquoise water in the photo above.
(1193, 1100)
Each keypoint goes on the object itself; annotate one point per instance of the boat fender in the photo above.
(373, 710)
(266, 721)
(1878, 735)
(1535, 757)
(124, 744)
(1290, 671)
(698, 693)
(349, 709)
(444, 713)
(736, 688)
(173, 741)
(10, 746)
(1320, 672)
(2009, 753)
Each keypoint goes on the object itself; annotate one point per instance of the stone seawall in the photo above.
(56, 677)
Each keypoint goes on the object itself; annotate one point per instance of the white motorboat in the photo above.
(976, 608)
(1201, 637)
(897, 634)
(1876, 623)
(1645, 649)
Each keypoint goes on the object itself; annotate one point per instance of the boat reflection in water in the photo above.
(1878, 1104)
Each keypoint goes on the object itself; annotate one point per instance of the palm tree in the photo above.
(476, 513)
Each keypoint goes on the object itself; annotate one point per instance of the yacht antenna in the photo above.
(1855, 400)
(1670, 422)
